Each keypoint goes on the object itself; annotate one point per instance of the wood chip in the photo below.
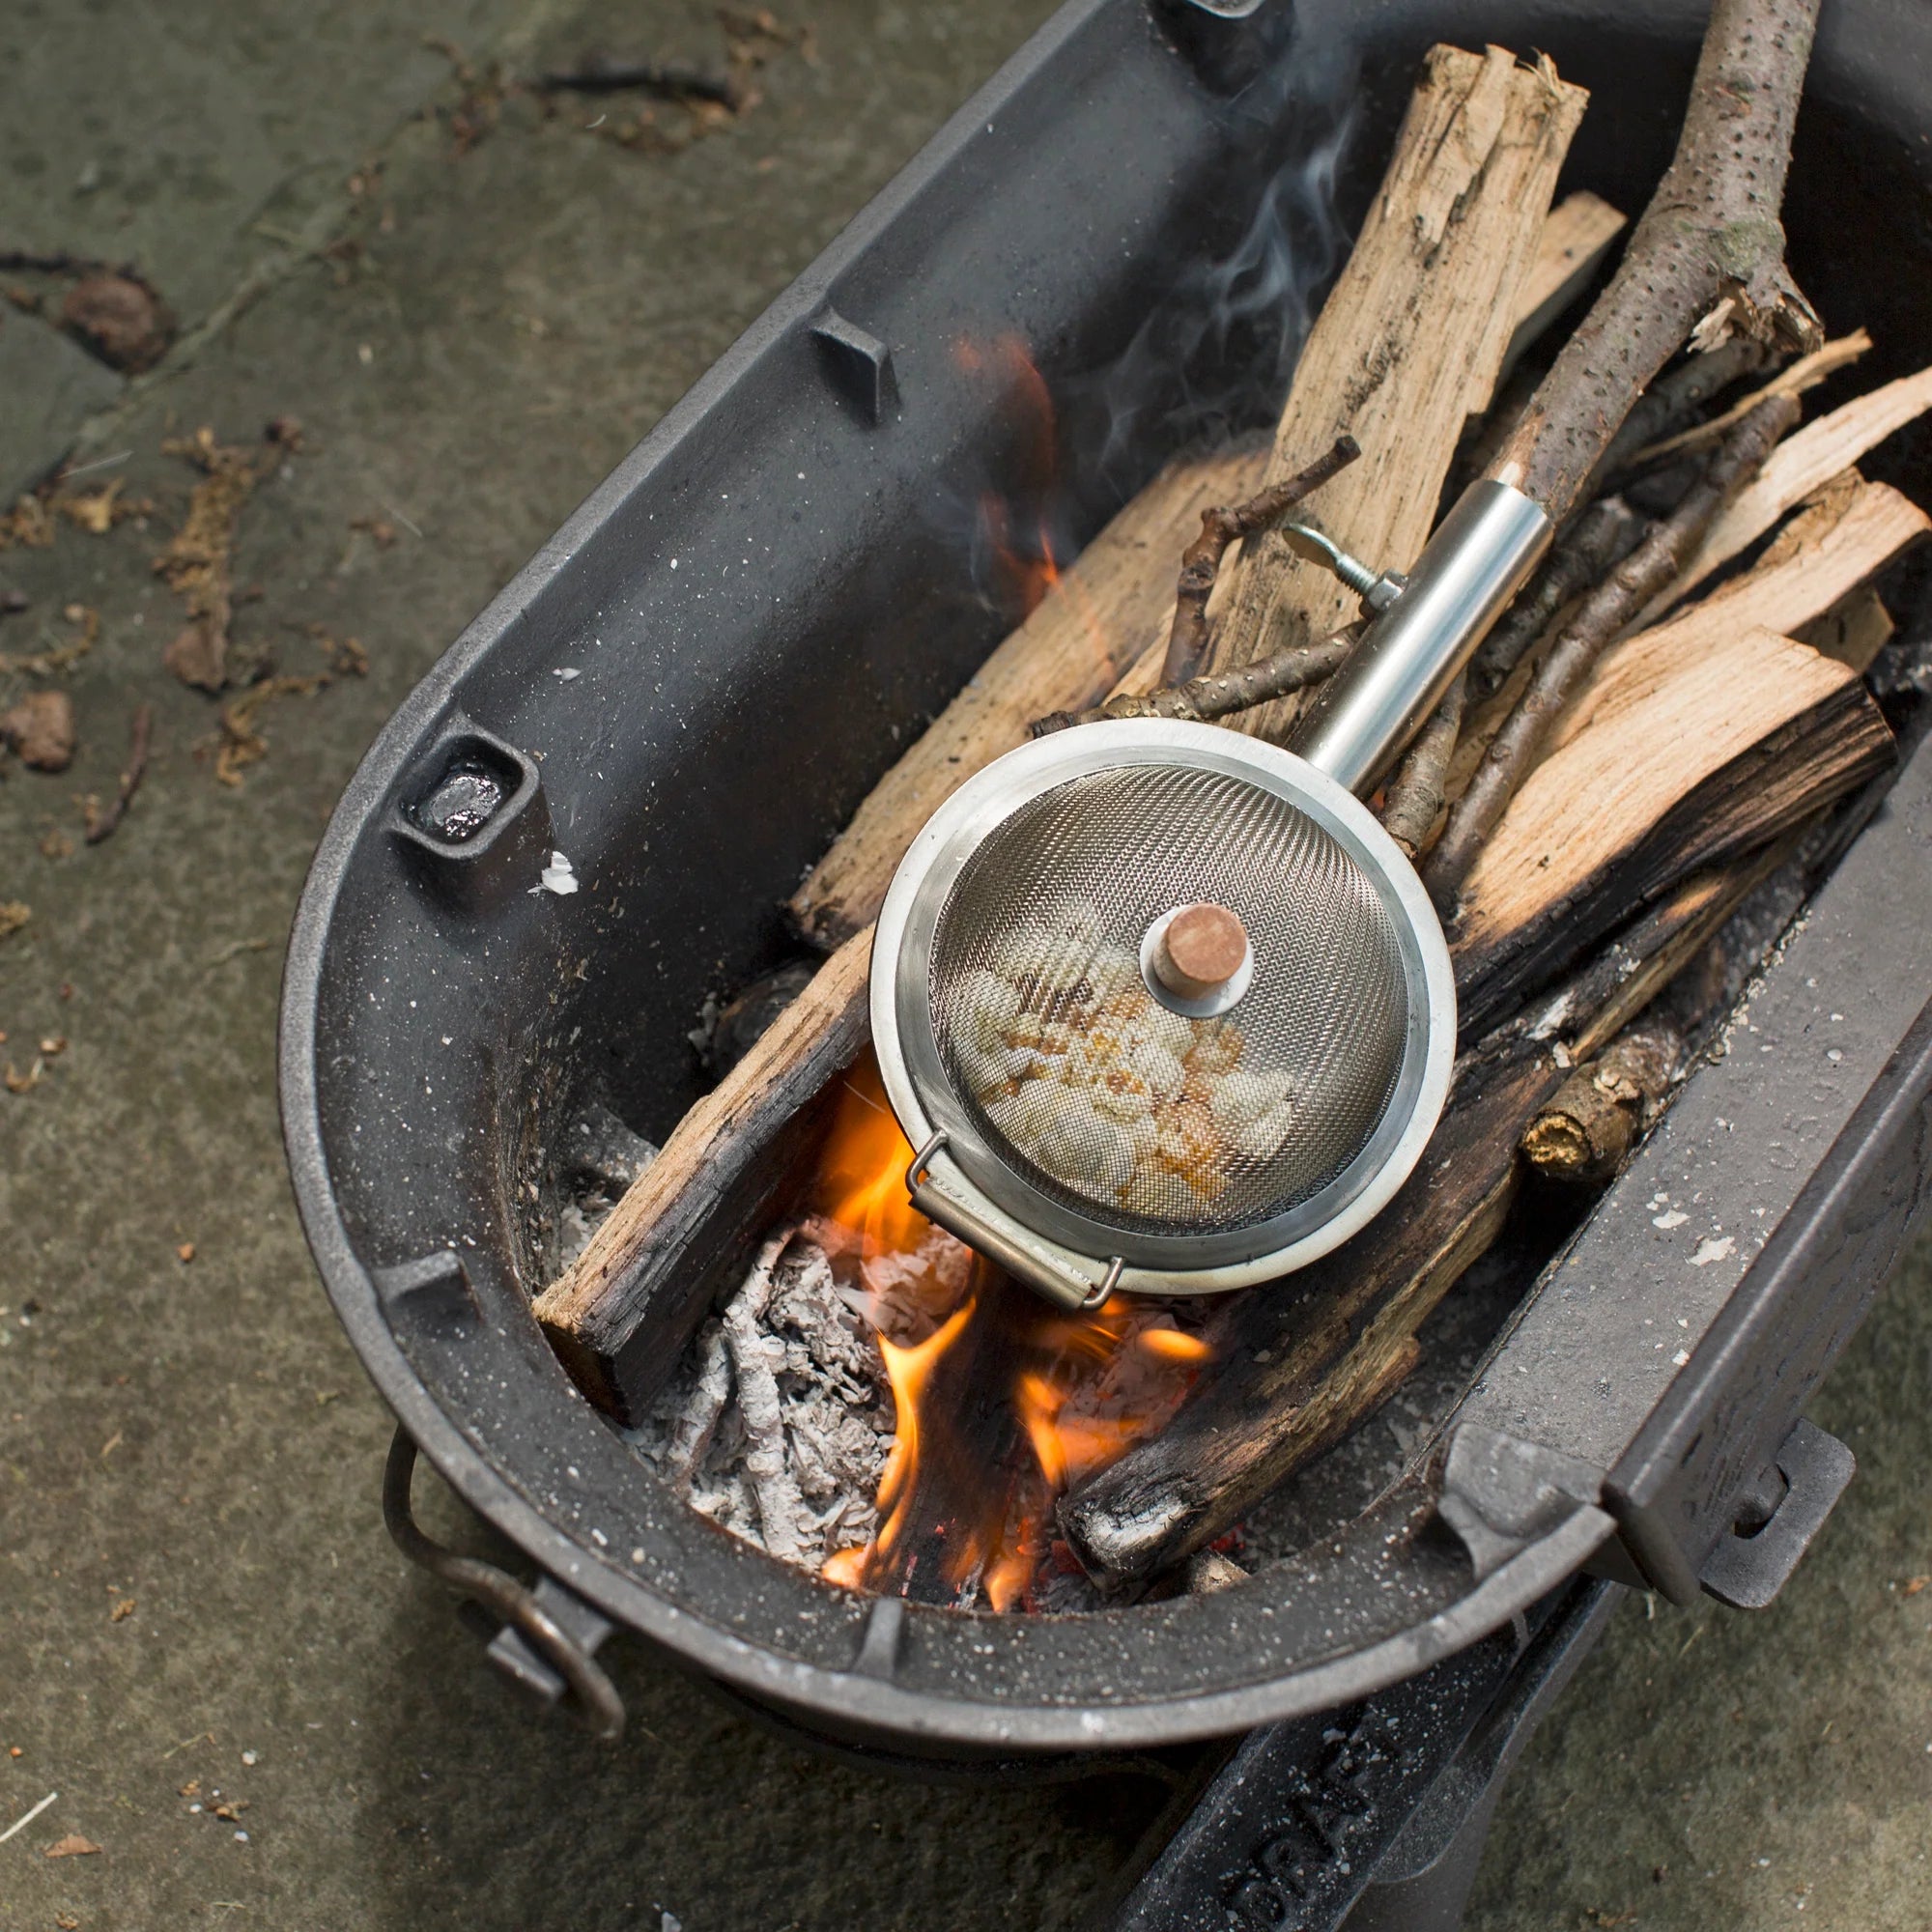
(72, 1846)
(1797, 468)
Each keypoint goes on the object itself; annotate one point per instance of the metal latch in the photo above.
(1749, 1567)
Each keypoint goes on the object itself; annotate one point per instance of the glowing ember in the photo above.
(1001, 1401)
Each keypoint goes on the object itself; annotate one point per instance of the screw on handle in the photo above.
(1377, 588)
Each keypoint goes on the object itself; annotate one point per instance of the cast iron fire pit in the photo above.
(766, 593)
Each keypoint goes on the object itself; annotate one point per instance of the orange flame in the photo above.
(1018, 532)
(1001, 1401)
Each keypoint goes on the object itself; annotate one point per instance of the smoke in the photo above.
(1214, 357)
(1222, 315)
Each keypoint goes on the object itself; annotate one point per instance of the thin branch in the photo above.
(1201, 560)
(1216, 694)
(1415, 793)
(1705, 264)
(1518, 745)
(1806, 372)
(100, 825)
(1595, 544)
(1676, 400)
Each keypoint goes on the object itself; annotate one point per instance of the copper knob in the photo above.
(1203, 948)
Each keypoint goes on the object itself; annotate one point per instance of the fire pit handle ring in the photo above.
(1061, 1284)
(598, 1706)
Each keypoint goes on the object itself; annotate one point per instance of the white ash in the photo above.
(600, 1157)
(779, 1420)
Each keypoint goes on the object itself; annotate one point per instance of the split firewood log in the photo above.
(1410, 342)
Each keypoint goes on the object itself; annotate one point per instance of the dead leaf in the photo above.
(67, 1921)
(121, 319)
(62, 657)
(198, 561)
(1915, 1584)
(98, 511)
(29, 524)
(56, 845)
(231, 1810)
(40, 728)
(121, 1611)
(381, 532)
(24, 1083)
(13, 917)
(241, 744)
(72, 1846)
(198, 652)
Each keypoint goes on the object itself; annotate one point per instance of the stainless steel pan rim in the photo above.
(921, 1095)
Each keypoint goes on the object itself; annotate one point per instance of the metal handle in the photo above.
(1064, 1287)
(597, 1701)
(1395, 677)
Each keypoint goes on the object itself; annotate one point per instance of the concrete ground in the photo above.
(208, 1647)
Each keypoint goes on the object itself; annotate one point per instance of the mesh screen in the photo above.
(1103, 1098)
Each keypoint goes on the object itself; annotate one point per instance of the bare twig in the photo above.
(1518, 745)
(1415, 793)
(100, 825)
(1600, 539)
(1706, 262)
(1806, 372)
(1675, 400)
(1216, 694)
(1201, 560)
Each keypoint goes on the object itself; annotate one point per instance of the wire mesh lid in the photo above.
(1081, 1076)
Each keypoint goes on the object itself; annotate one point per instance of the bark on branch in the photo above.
(1218, 693)
(1416, 792)
(1706, 262)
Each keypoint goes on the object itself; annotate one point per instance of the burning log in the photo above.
(1411, 343)
(1287, 1365)
(612, 1316)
